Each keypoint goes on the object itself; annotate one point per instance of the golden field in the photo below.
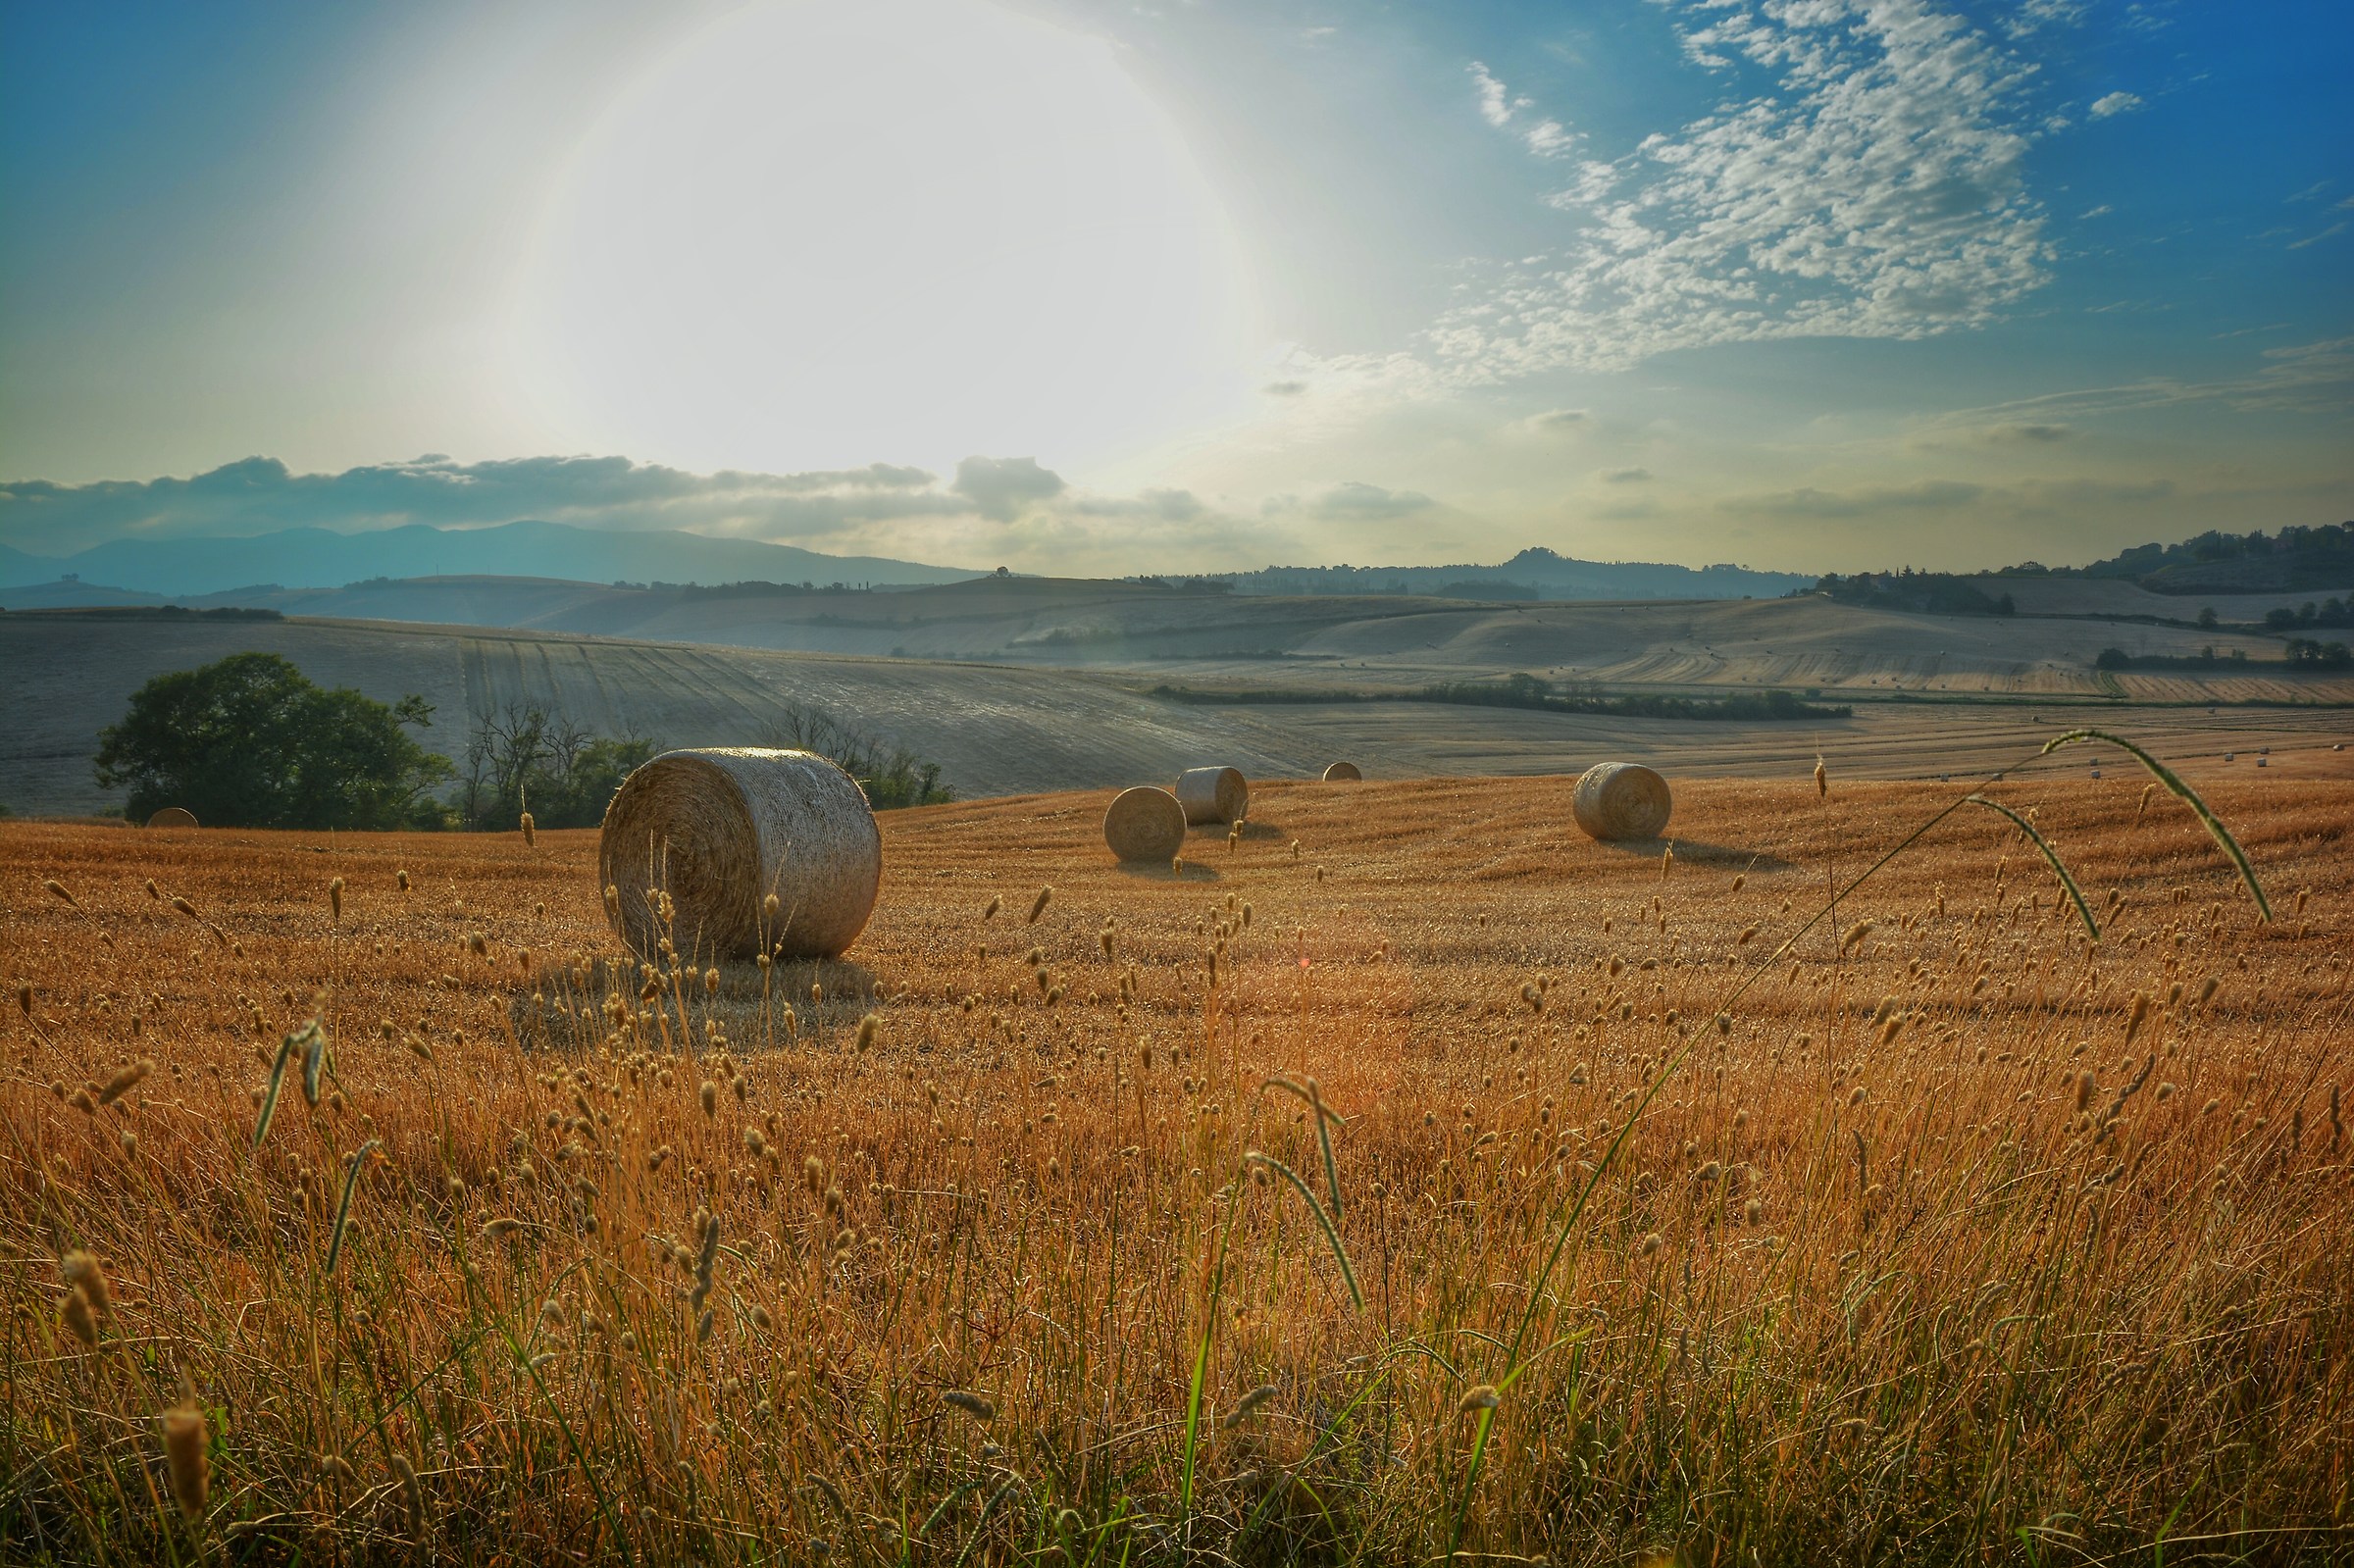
(1945, 1235)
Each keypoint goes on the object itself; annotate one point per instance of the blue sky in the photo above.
(1807, 284)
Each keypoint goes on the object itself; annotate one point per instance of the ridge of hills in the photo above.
(314, 558)
(186, 570)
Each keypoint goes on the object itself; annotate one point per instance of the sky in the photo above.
(1092, 287)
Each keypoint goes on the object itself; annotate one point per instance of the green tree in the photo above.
(252, 742)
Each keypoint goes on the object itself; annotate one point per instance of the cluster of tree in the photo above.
(2205, 659)
(162, 612)
(1530, 691)
(892, 776)
(1185, 584)
(528, 758)
(2206, 549)
(2317, 654)
(2332, 613)
(1920, 592)
(252, 741)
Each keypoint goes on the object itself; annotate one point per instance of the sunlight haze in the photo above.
(1091, 288)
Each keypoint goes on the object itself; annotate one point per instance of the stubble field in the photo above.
(1943, 1234)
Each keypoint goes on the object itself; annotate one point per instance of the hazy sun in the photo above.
(820, 236)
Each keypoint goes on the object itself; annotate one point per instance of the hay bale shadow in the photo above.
(563, 1009)
(1149, 871)
(1698, 853)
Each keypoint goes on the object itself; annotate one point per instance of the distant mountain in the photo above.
(1542, 572)
(315, 558)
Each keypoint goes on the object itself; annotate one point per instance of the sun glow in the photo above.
(815, 236)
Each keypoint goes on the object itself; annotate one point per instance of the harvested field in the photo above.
(999, 728)
(1944, 1234)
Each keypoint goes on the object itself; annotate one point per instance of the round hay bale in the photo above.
(1144, 823)
(1343, 773)
(721, 829)
(1213, 794)
(1620, 800)
(172, 817)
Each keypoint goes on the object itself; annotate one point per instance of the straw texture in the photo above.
(722, 829)
(1144, 823)
(1620, 800)
(172, 817)
(1343, 773)
(1213, 794)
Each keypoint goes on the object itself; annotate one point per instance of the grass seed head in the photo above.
(125, 1080)
(185, 1458)
(1248, 1405)
(972, 1405)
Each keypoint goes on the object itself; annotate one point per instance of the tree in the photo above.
(528, 758)
(2206, 617)
(252, 742)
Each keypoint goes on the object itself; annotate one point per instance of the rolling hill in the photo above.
(1003, 726)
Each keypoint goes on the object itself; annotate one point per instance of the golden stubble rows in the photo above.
(1953, 1224)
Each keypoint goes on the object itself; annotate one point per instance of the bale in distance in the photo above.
(723, 828)
(1213, 794)
(1620, 800)
(172, 817)
(1343, 773)
(1144, 823)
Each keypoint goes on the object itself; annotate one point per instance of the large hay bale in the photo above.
(1620, 800)
(723, 828)
(1343, 773)
(1144, 823)
(172, 817)
(1213, 794)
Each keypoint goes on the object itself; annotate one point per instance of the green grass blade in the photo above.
(312, 1059)
(1193, 1399)
(2189, 796)
(351, 1185)
(1323, 1219)
(1325, 1117)
(278, 1081)
(2051, 858)
(1332, 1171)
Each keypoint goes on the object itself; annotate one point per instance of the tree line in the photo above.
(250, 742)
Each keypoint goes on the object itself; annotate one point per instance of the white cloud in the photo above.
(1557, 421)
(2115, 103)
(1927, 495)
(1495, 103)
(1354, 501)
(1546, 138)
(1002, 486)
(2038, 14)
(1876, 192)
(2315, 378)
(1625, 475)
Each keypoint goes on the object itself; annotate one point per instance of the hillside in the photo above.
(1000, 727)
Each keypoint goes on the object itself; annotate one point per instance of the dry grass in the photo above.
(1958, 1241)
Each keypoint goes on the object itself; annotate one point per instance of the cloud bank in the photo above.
(994, 509)
(1875, 191)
